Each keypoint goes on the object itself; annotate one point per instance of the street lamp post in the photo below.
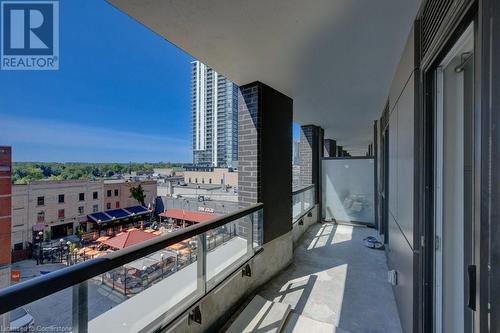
(67, 250)
(61, 241)
(40, 251)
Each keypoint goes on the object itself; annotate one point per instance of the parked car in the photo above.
(21, 321)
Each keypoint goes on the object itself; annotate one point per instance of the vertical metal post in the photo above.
(251, 224)
(201, 263)
(125, 281)
(80, 308)
(302, 198)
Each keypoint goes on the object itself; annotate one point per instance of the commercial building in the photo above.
(62, 206)
(201, 192)
(406, 240)
(116, 193)
(211, 176)
(58, 206)
(214, 110)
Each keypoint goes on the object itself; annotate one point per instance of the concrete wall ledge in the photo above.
(299, 230)
(222, 302)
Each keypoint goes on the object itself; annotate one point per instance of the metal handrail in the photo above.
(29, 291)
(302, 189)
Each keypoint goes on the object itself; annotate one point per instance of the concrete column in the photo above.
(330, 148)
(311, 152)
(340, 151)
(265, 155)
(5, 222)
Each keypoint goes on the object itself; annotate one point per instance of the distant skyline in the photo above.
(122, 94)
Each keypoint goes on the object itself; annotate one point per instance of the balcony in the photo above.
(332, 280)
(198, 277)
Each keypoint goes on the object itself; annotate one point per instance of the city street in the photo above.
(55, 310)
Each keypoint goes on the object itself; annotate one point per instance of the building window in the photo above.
(109, 193)
(80, 210)
(95, 195)
(117, 204)
(210, 180)
(95, 208)
(190, 179)
(40, 216)
(60, 213)
(196, 180)
(222, 181)
(81, 196)
(40, 201)
(203, 180)
(61, 198)
(116, 193)
(18, 246)
(108, 205)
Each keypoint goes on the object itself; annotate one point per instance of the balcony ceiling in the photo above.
(335, 58)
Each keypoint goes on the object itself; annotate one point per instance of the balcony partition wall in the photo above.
(348, 190)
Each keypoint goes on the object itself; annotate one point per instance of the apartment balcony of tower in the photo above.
(393, 224)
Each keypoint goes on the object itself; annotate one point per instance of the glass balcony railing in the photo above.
(143, 286)
(303, 201)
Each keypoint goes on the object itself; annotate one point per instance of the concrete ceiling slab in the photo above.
(335, 58)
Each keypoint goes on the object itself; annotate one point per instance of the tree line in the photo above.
(24, 172)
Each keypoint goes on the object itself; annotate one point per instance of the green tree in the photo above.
(138, 194)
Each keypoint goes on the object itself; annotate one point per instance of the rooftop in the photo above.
(128, 238)
(180, 214)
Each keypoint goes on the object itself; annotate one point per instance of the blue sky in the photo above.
(122, 93)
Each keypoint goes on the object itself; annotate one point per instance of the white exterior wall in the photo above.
(200, 115)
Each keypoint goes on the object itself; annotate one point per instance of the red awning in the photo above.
(128, 238)
(196, 217)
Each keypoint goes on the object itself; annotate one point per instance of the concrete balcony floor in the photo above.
(335, 279)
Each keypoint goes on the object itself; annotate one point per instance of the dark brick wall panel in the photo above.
(311, 151)
(330, 148)
(265, 155)
(306, 147)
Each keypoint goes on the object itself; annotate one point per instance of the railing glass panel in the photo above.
(302, 202)
(141, 287)
(146, 289)
(230, 245)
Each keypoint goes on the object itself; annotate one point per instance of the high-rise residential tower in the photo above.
(214, 117)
